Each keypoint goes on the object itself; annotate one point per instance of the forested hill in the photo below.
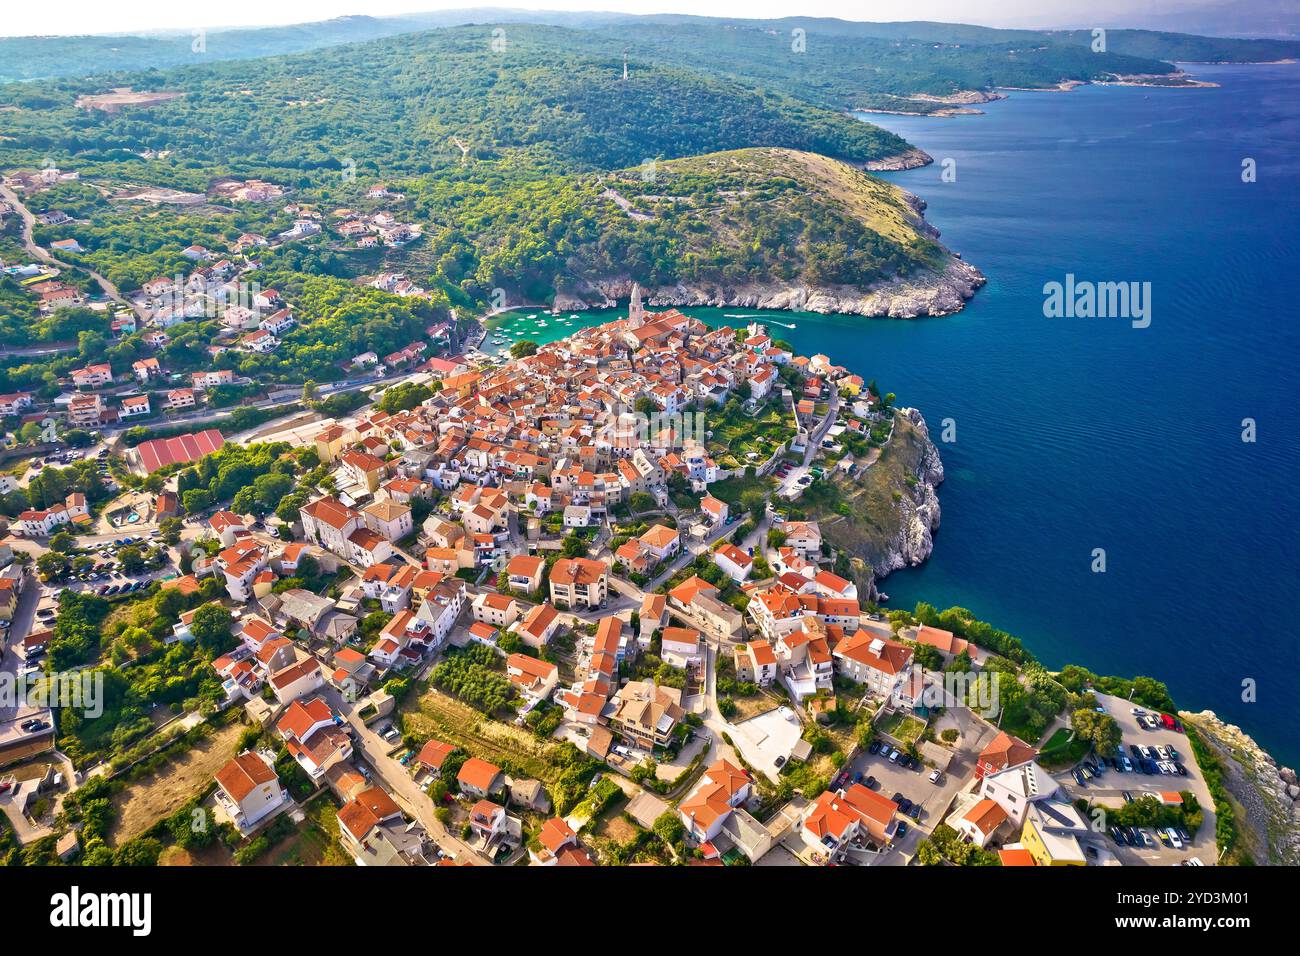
(742, 217)
(410, 104)
(986, 56)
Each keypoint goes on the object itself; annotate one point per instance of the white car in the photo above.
(1174, 838)
(935, 775)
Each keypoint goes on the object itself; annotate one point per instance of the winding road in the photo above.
(39, 252)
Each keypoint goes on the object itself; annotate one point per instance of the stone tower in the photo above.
(635, 311)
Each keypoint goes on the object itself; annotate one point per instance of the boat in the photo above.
(541, 323)
(533, 316)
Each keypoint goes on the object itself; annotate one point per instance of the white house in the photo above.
(249, 790)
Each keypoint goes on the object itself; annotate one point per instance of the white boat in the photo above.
(541, 323)
(533, 316)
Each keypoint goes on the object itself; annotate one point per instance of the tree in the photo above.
(271, 488)
(641, 501)
(668, 827)
(195, 500)
(131, 558)
(142, 852)
(50, 564)
(169, 530)
(755, 502)
(1098, 729)
(523, 348)
(63, 542)
(211, 626)
(403, 396)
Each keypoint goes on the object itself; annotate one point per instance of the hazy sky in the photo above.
(124, 16)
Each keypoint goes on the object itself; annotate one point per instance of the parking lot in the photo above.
(1110, 787)
(21, 724)
(912, 783)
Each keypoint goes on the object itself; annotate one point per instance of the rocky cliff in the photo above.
(885, 514)
(933, 292)
(1268, 815)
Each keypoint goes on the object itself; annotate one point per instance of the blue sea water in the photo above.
(1079, 434)
(1075, 434)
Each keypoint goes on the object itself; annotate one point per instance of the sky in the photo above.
(133, 16)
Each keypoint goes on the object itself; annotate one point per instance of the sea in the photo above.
(1118, 489)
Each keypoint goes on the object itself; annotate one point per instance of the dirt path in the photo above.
(145, 801)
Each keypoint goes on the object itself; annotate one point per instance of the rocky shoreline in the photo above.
(892, 506)
(908, 159)
(918, 508)
(1268, 819)
(940, 291)
(954, 104)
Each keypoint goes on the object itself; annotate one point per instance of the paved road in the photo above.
(789, 486)
(19, 628)
(397, 781)
(30, 245)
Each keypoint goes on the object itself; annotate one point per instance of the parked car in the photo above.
(936, 776)
(874, 748)
(901, 831)
(1128, 797)
(871, 783)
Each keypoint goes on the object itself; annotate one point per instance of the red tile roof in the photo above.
(182, 449)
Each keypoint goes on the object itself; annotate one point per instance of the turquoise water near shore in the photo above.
(1076, 434)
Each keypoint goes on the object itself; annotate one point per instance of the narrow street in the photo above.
(396, 779)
